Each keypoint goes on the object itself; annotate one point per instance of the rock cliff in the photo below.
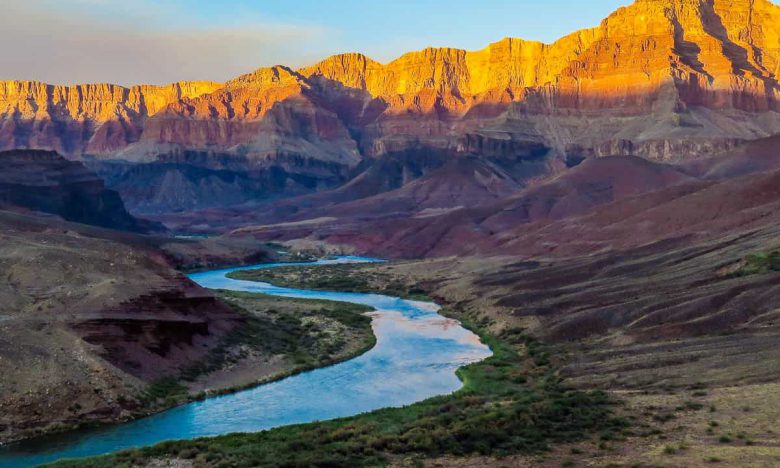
(653, 74)
(662, 79)
(655, 70)
(94, 118)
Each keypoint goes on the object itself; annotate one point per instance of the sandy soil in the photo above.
(697, 397)
(257, 364)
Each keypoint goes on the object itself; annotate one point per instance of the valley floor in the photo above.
(709, 400)
(671, 397)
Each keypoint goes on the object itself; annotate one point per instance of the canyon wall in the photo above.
(662, 79)
(89, 118)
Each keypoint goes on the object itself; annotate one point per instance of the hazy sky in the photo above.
(157, 41)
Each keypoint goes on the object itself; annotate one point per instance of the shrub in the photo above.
(494, 414)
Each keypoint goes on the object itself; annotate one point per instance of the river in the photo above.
(415, 357)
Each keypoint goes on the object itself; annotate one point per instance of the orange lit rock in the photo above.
(653, 78)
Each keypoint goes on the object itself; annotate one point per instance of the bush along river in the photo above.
(415, 357)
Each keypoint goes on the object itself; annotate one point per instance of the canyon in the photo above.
(612, 194)
(662, 79)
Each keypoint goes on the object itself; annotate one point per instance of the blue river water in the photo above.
(415, 357)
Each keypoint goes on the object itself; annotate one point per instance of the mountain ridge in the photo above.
(705, 48)
(661, 79)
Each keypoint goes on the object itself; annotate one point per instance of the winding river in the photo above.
(415, 357)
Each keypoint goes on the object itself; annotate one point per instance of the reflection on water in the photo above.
(416, 355)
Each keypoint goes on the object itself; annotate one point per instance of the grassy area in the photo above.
(696, 426)
(513, 402)
(166, 390)
(760, 263)
(347, 277)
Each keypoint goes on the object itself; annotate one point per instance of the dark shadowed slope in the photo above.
(401, 184)
(44, 181)
(751, 157)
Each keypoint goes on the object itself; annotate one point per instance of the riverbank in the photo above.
(708, 400)
(510, 403)
(282, 337)
(513, 402)
(279, 337)
(361, 278)
(685, 423)
(416, 357)
(92, 319)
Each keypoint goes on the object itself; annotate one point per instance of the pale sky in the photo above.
(148, 41)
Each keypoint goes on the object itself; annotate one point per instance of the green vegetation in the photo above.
(347, 278)
(760, 263)
(513, 402)
(692, 405)
(310, 333)
(167, 389)
(300, 333)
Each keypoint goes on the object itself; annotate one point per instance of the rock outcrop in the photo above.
(89, 118)
(44, 181)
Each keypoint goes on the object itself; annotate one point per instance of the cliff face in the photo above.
(93, 118)
(651, 75)
(656, 79)
(266, 114)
